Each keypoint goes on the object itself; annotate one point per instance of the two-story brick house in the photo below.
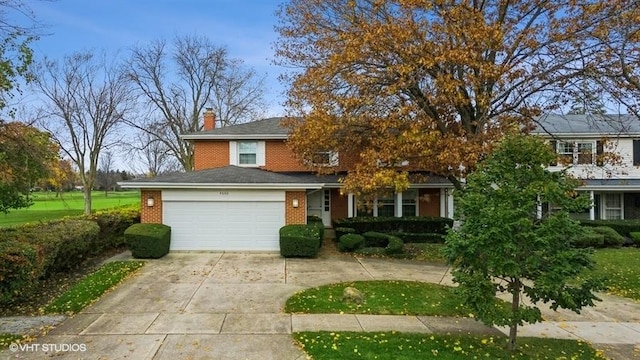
(247, 184)
(613, 184)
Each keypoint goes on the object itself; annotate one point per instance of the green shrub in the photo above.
(589, 240)
(611, 237)
(148, 241)
(343, 230)
(300, 240)
(65, 244)
(375, 239)
(112, 225)
(622, 227)
(350, 242)
(315, 221)
(420, 238)
(395, 246)
(22, 265)
(412, 224)
(635, 236)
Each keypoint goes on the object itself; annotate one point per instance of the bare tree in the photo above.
(105, 177)
(153, 154)
(86, 99)
(179, 80)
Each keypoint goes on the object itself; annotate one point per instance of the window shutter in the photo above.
(233, 153)
(261, 154)
(554, 146)
(636, 152)
(600, 151)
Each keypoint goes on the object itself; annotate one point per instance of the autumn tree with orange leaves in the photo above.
(399, 85)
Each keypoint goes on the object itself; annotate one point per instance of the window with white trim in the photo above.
(325, 158)
(612, 206)
(409, 202)
(576, 152)
(247, 152)
(386, 205)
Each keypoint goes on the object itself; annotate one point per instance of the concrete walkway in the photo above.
(191, 305)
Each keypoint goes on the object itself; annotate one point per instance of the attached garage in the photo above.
(220, 219)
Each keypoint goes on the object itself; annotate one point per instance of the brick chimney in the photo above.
(209, 119)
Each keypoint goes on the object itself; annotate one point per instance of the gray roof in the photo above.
(241, 176)
(567, 125)
(259, 129)
(612, 182)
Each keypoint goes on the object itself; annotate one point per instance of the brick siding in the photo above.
(151, 214)
(295, 215)
(211, 154)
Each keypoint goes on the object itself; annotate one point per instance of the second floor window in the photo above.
(577, 152)
(247, 152)
(325, 158)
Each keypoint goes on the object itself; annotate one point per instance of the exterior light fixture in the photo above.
(294, 203)
(150, 201)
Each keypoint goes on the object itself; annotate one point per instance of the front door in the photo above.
(319, 204)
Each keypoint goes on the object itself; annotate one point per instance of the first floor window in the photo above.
(387, 206)
(409, 201)
(612, 206)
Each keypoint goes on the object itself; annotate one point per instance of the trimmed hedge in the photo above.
(420, 238)
(375, 239)
(412, 224)
(350, 242)
(622, 227)
(148, 241)
(342, 231)
(299, 240)
(611, 237)
(113, 224)
(635, 236)
(588, 240)
(395, 246)
(22, 265)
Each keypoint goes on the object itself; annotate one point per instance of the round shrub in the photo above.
(611, 237)
(635, 236)
(343, 230)
(375, 239)
(395, 246)
(589, 240)
(350, 242)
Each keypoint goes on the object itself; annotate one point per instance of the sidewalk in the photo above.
(203, 305)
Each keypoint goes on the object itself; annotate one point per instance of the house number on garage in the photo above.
(224, 193)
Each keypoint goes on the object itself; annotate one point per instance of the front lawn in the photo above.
(621, 268)
(380, 297)
(392, 345)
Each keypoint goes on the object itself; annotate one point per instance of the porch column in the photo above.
(538, 207)
(398, 207)
(592, 209)
(443, 202)
(350, 208)
(449, 200)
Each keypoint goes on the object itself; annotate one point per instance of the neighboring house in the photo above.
(247, 185)
(585, 144)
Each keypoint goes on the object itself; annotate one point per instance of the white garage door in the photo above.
(224, 220)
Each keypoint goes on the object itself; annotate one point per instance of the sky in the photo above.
(244, 27)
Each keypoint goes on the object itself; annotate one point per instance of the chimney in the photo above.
(209, 119)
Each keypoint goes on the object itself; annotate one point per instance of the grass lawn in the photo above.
(380, 297)
(46, 206)
(391, 345)
(90, 288)
(621, 267)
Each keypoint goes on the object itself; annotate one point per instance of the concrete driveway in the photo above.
(196, 305)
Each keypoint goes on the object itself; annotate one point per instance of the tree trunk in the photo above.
(515, 304)
(87, 200)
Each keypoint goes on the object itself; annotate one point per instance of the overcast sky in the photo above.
(244, 27)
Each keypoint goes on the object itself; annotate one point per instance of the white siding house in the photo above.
(604, 152)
